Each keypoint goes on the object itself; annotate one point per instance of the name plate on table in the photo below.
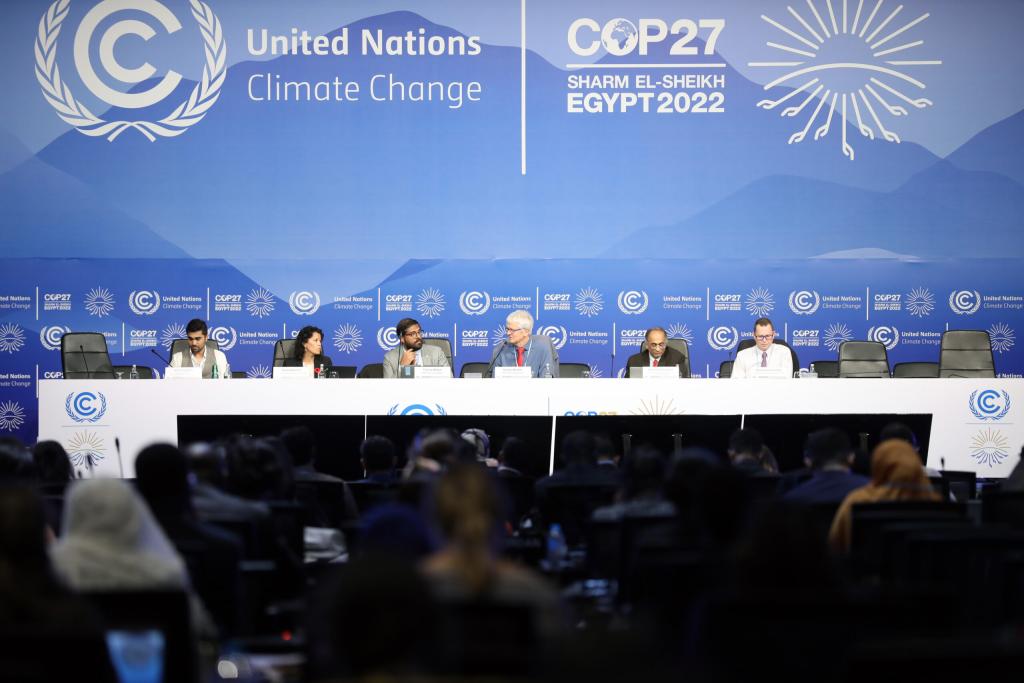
(183, 373)
(769, 373)
(661, 372)
(432, 372)
(293, 373)
(513, 372)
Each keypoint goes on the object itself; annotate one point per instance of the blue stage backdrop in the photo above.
(849, 168)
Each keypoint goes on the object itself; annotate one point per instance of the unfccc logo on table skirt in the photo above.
(85, 406)
(417, 409)
(989, 404)
(75, 113)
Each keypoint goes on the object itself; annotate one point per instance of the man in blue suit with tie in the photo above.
(521, 348)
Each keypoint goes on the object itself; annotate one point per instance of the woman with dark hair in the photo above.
(52, 464)
(309, 350)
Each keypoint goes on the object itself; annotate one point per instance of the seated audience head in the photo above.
(896, 466)
(747, 452)
(161, 476)
(468, 513)
(828, 448)
(52, 463)
(578, 448)
(377, 455)
(481, 443)
(518, 328)
(657, 341)
(711, 498)
(410, 334)
(206, 463)
(395, 530)
(515, 454)
(196, 332)
(309, 340)
(254, 468)
(300, 444)
(898, 430)
(764, 334)
(643, 473)
(605, 452)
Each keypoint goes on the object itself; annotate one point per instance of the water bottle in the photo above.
(214, 374)
(320, 372)
(557, 548)
(547, 370)
(134, 374)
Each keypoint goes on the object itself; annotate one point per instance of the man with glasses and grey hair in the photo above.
(765, 354)
(521, 348)
(411, 350)
(658, 354)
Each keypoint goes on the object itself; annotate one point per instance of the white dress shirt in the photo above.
(748, 360)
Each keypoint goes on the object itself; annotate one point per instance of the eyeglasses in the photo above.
(513, 330)
(417, 333)
(764, 337)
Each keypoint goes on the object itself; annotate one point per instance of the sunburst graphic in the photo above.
(920, 302)
(498, 335)
(259, 372)
(99, 302)
(854, 67)
(1002, 337)
(589, 302)
(680, 331)
(595, 372)
(12, 416)
(430, 302)
(85, 448)
(836, 334)
(12, 338)
(657, 406)
(760, 302)
(348, 338)
(989, 447)
(260, 303)
(172, 333)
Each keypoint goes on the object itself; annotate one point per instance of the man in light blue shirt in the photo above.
(523, 349)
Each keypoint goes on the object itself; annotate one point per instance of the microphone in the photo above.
(154, 352)
(120, 463)
(85, 361)
(490, 368)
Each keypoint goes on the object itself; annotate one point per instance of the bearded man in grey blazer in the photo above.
(411, 350)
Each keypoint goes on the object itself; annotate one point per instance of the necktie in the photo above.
(519, 355)
(654, 363)
(764, 359)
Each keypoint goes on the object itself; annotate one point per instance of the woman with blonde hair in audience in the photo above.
(896, 474)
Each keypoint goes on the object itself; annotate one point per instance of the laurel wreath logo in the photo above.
(70, 409)
(76, 114)
(978, 414)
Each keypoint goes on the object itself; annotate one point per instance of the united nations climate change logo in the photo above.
(840, 57)
(12, 338)
(85, 406)
(12, 416)
(417, 409)
(633, 301)
(989, 447)
(965, 301)
(226, 337)
(50, 336)
(387, 338)
(723, 338)
(304, 302)
(804, 301)
(144, 302)
(556, 333)
(348, 338)
(589, 302)
(887, 335)
(989, 404)
(474, 302)
(75, 113)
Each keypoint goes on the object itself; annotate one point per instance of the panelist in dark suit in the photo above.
(658, 353)
(309, 347)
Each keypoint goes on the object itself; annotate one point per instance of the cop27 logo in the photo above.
(723, 338)
(965, 301)
(633, 301)
(417, 409)
(848, 60)
(75, 113)
(144, 302)
(474, 302)
(85, 406)
(804, 301)
(989, 404)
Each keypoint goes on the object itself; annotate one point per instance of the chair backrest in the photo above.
(826, 368)
(915, 369)
(144, 371)
(725, 369)
(83, 355)
(863, 359)
(442, 344)
(966, 353)
(679, 345)
(747, 343)
(372, 371)
(473, 367)
(182, 345)
(283, 350)
(573, 370)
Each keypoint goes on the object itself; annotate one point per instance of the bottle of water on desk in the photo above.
(134, 374)
(546, 372)
(214, 374)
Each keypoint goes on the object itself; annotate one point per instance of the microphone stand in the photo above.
(490, 368)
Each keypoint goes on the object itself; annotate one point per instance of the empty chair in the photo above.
(143, 371)
(283, 350)
(725, 369)
(480, 368)
(372, 371)
(863, 359)
(966, 353)
(83, 355)
(573, 370)
(442, 344)
(915, 370)
(826, 368)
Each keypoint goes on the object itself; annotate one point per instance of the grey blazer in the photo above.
(431, 355)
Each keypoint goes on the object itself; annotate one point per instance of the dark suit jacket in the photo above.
(317, 362)
(669, 358)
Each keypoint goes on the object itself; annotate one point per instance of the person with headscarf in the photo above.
(896, 474)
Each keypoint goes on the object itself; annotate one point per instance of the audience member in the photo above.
(209, 500)
(747, 453)
(377, 456)
(829, 456)
(641, 492)
(898, 430)
(481, 444)
(605, 453)
(52, 465)
(896, 474)
(255, 469)
(578, 456)
(514, 458)
(711, 499)
(396, 530)
(331, 509)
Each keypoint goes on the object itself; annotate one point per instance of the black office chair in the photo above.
(83, 355)
(863, 359)
(725, 369)
(442, 344)
(966, 353)
(679, 345)
(826, 368)
(915, 370)
(145, 372)
(372, 371)
(747, 343)
(573, 370)
(473, 367)
(284, 349)
(182, 346)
